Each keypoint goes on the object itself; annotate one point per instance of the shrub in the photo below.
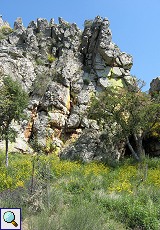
(2, 36)
(6, 30)
(136, 212)
(51, 58)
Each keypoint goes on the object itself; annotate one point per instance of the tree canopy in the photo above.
(134, 112)
(13, 101)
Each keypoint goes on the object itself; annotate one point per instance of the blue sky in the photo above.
(135, 24)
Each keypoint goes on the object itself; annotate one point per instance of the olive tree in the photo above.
(129, 113)
(13, 101)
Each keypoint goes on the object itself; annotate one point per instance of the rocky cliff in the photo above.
(60, 67)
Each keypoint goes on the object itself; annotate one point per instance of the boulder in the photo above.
(126, 61)
(73, 121)
(104, 82)
(116, 71)
(57, 119)
(91, 146)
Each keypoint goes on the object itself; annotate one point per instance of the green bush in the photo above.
(6, 30)
(134, 211)
(51, 58)
(2, 36)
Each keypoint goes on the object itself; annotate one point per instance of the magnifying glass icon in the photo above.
(9, 217)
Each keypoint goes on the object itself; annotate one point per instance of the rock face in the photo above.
(155, 85)
(60, 67)
(91, 145)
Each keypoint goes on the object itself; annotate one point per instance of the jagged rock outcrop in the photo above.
(155, 85)
(61, 67)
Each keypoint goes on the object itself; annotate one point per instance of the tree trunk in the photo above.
(140, 149)
(33, 172)
(134, 154)
(139, 146)
(6, 142)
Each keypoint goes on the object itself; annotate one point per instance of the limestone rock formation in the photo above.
(60, 67)
(91, 146)
(155, 85)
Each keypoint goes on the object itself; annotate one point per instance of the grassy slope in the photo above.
(69, 195)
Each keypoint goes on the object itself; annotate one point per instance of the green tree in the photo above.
(127, 114)
(13, 101)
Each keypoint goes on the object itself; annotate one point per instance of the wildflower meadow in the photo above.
(56, 194)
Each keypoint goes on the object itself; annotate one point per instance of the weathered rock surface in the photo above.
(60, 67)
(155, 85)
(91, 146)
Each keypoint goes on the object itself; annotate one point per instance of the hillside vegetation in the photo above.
(56, 194)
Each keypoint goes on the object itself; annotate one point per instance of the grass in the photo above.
(63, 195)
